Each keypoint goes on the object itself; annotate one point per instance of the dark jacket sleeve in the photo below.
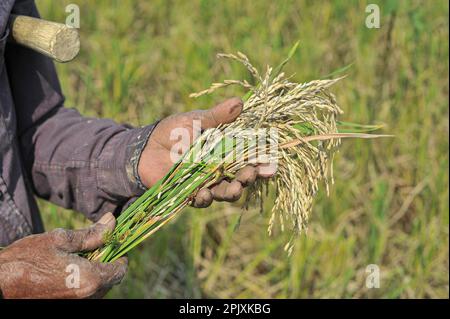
(86, 164)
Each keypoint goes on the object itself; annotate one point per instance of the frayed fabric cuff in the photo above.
(117, 170)
(133, 153)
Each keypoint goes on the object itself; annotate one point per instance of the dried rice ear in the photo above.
(305, 118)
(277, 103)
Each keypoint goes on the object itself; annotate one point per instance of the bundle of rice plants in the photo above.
(292, 125)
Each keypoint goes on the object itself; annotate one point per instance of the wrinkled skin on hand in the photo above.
(156, 161)
(37, 266)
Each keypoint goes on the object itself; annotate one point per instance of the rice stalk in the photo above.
(300, 119)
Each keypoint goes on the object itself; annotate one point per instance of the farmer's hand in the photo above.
(47, 266)
(156, 161)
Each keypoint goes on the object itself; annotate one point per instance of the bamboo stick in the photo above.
(55, 40)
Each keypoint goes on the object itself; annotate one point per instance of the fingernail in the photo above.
(238, 101)
(267, 170)
(237, 104)
(106, 219)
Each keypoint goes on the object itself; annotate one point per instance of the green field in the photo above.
(390, 203)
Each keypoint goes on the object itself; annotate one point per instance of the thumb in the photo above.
(223, 113)
(85, 239)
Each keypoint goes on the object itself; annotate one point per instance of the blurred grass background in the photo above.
(390, 204)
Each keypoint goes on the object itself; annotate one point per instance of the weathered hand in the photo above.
(156, 160)
(47, 266)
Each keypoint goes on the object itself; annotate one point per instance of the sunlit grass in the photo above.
(389, 206)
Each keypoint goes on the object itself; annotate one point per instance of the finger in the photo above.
(227, 191)
(84, 239)
(111, 274)
(247, 175)
(203, 198)
(225, 112)
(267, 170)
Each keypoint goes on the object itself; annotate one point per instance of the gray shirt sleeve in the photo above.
(86, 164)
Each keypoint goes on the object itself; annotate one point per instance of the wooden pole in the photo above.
(55, 40)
